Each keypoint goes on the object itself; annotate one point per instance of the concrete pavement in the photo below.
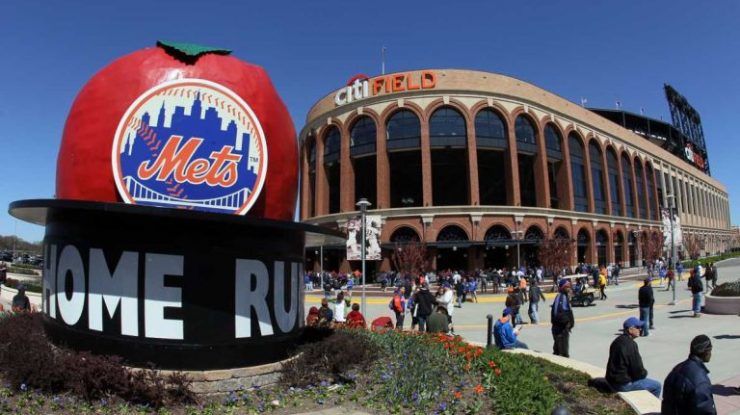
(598, 325)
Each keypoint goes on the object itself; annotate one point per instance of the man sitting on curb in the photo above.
(624, 370)
(504, 334)
(688, 389)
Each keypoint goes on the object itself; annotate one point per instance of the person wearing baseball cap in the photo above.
(504, 334)
(688, 389)
(562, 320)
(624, 370)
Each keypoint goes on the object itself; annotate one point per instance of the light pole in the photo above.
(672, 204)
(363, 204)
(518, 242)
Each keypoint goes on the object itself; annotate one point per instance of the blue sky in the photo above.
(604, 51)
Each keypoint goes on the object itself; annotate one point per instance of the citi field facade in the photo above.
(482, 167)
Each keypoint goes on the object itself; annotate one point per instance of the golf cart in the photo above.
(583, 294)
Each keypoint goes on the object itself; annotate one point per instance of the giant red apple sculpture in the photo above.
(181, 126)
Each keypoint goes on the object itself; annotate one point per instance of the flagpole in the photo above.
(382, 60)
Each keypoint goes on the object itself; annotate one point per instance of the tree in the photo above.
(693, 245)
(410, 257)
(652, 245)
(555, 253)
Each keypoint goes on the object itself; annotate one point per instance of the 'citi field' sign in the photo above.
(361, 87)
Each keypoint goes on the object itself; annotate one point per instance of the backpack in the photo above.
(395, 304)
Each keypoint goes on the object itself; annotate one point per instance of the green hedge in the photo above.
(31, 287)
(26, 266)
(710, 259)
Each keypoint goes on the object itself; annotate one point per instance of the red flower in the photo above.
(491, 364)
(478, 389)
(498, 372)
(458, 394)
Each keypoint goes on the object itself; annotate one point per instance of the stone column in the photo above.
(426, 163)
(321, 206)
(346, 175)
(382, 167)
(473, 186)
(542, 184)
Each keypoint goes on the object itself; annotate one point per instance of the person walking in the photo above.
(646, 299)
(425, 302)
(687, 389)
(615, 273)
(535, 296)
(460, 291)
(398, 305)
(714, 275)
(697, 291)
(602, 286)
(562, 320)
(671, 276)
(679, 270)
(624, 369)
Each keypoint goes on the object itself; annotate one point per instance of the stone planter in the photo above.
(721, 305)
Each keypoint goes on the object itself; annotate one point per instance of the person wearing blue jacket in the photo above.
(504, 334)
(687, 389)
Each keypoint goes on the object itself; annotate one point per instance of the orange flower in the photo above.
(461, 349)
(458, 394)
(498, 372)
(468, 366)
(478, 389)
(491, 364)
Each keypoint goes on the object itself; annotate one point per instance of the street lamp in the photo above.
(363, 204)
(672, 198)
(518, 242)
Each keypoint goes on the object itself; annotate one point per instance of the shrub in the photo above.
(26, 266)
(28, 359)
(728, 289)
(24, 271)
(30, 286)
(332, 360)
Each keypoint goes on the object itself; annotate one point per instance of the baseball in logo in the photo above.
(190, 144)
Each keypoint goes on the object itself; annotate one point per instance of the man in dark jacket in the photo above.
(687, 389)
(425, 302)
(561, 318)
(535, 296)
(697, 291)
(624, 370)
(646, 300)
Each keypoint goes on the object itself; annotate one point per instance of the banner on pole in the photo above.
(371, 238)
(677, 234)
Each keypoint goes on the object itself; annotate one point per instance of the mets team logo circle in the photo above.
(190, 144)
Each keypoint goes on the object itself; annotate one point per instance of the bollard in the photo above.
(489, 335)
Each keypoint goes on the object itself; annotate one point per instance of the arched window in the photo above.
(552, 142)
(526, 135)
(452, 233)
(629, 194)
(578, 172)
(534, 234)
(526, 146)
(490, 130)
(362, 137)
(650, 194)
(602, 243)
(449, 158)
(555, 171)
(491, 141)
(311, 175)
(332, 145)
(403, 131)
(561, 233)
(497, 234)
(597, 176)
(404, 234)
(642, 207)
(613, 173)
(447, 128)
(583, 246)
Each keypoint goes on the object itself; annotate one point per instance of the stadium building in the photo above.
(483, 167)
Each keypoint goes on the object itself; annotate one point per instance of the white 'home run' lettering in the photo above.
(49, 298)
(250, 272)
(285, 319)
(114, 289)
(70, 264)
(158, 296)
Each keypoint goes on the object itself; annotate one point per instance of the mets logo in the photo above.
(190, 144)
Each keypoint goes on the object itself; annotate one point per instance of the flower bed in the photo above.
(376, 372)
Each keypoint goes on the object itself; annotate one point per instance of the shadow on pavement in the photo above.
(629, 306)
(722, 390)
(680, 311)
(727, 337)
(688, 316)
